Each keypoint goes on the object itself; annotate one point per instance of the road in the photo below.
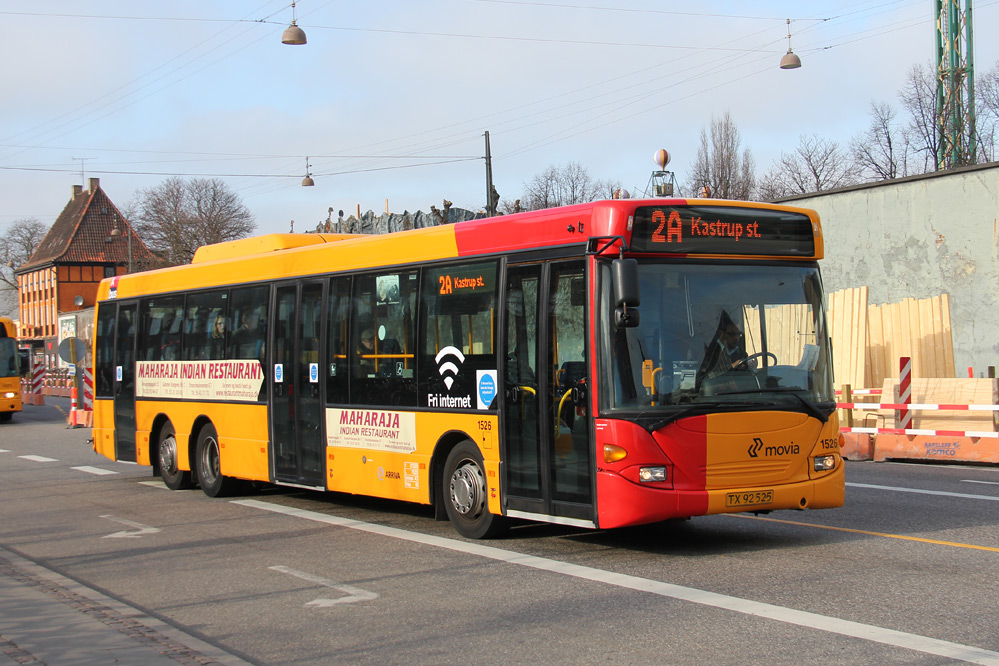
(99, 561)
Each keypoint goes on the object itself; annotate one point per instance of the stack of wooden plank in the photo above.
(868, 340)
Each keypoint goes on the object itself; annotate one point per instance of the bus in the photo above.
(600, 365)
(10, 371)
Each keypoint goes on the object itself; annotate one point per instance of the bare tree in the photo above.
(815, 165)
(17, 244)
(562, 186)
(719, 164)
(919, 99)
(178, 216)
(987, 114)
(882, 152)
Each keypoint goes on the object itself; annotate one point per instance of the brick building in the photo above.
(57, 286)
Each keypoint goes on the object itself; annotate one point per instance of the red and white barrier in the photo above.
(35, 395)
(81, 414)
(88, 389)
(917, 406)
(919, 443)
(903, 417)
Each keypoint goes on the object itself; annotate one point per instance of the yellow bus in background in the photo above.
(10, 371)
(600, 365)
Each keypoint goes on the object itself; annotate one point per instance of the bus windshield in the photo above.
(8, 357)
(716, 338)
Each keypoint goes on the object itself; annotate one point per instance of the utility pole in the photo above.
(956, 134)
(490, 204)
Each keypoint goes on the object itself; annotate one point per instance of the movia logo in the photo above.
(446, 365)
(779, 450)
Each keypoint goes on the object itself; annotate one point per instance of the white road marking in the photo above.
(39, 458)
(834, 625)
(94, 470)
(139, 527)
(4, 450)
(918, 491)
(154, 484)
(355, 593)
(991, 483)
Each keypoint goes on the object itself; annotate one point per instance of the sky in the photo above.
(391, 100)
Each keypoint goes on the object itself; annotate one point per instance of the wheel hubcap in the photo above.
(168, 455)
(467, 490)
(210, 461)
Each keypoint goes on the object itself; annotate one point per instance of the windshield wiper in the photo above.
(695, 408)
(812, 408)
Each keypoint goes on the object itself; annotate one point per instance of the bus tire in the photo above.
(6, 416)
(209, 455)
(466, 494)
(174, 478)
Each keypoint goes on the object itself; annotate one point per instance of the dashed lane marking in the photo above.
(94, 470)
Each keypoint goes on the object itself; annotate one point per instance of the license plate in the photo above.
(750, 498)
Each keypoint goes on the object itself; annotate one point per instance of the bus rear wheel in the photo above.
(209, 456)
(174, 478)
(465, 494)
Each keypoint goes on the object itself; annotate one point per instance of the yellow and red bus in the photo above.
(599, 365)
(10, 371)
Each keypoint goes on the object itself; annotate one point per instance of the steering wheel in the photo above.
(744, 363)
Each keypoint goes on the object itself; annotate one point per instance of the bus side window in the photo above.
(161, 329)
(383, 362)
(204, 326)
(458, 342)
(247, 322)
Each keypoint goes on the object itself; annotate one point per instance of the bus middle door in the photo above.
(297, 439)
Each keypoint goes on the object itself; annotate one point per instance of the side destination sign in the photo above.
(722, 230)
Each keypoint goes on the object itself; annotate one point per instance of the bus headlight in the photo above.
(824, 463)
(9, 394)
(651, 474)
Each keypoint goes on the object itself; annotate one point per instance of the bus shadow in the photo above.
(704, 536)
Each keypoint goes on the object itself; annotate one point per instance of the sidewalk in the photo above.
(46, 618)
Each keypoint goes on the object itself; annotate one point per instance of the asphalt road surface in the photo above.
(100, 563)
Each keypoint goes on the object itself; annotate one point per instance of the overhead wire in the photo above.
(432, 139)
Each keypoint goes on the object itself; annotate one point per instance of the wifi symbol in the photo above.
(447, 369)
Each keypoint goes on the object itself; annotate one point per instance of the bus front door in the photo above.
(297, 440)
(124, 382)
(548, 459)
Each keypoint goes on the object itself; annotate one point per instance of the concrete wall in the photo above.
(918, 237)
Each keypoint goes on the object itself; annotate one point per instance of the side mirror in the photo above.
(624, 275)
(24, 361)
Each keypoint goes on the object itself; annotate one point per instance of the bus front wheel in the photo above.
(208, 455)
(465, 494)
(173, 477)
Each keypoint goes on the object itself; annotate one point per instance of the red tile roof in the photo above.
(80, 234)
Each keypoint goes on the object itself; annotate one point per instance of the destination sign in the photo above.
(722, 230)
